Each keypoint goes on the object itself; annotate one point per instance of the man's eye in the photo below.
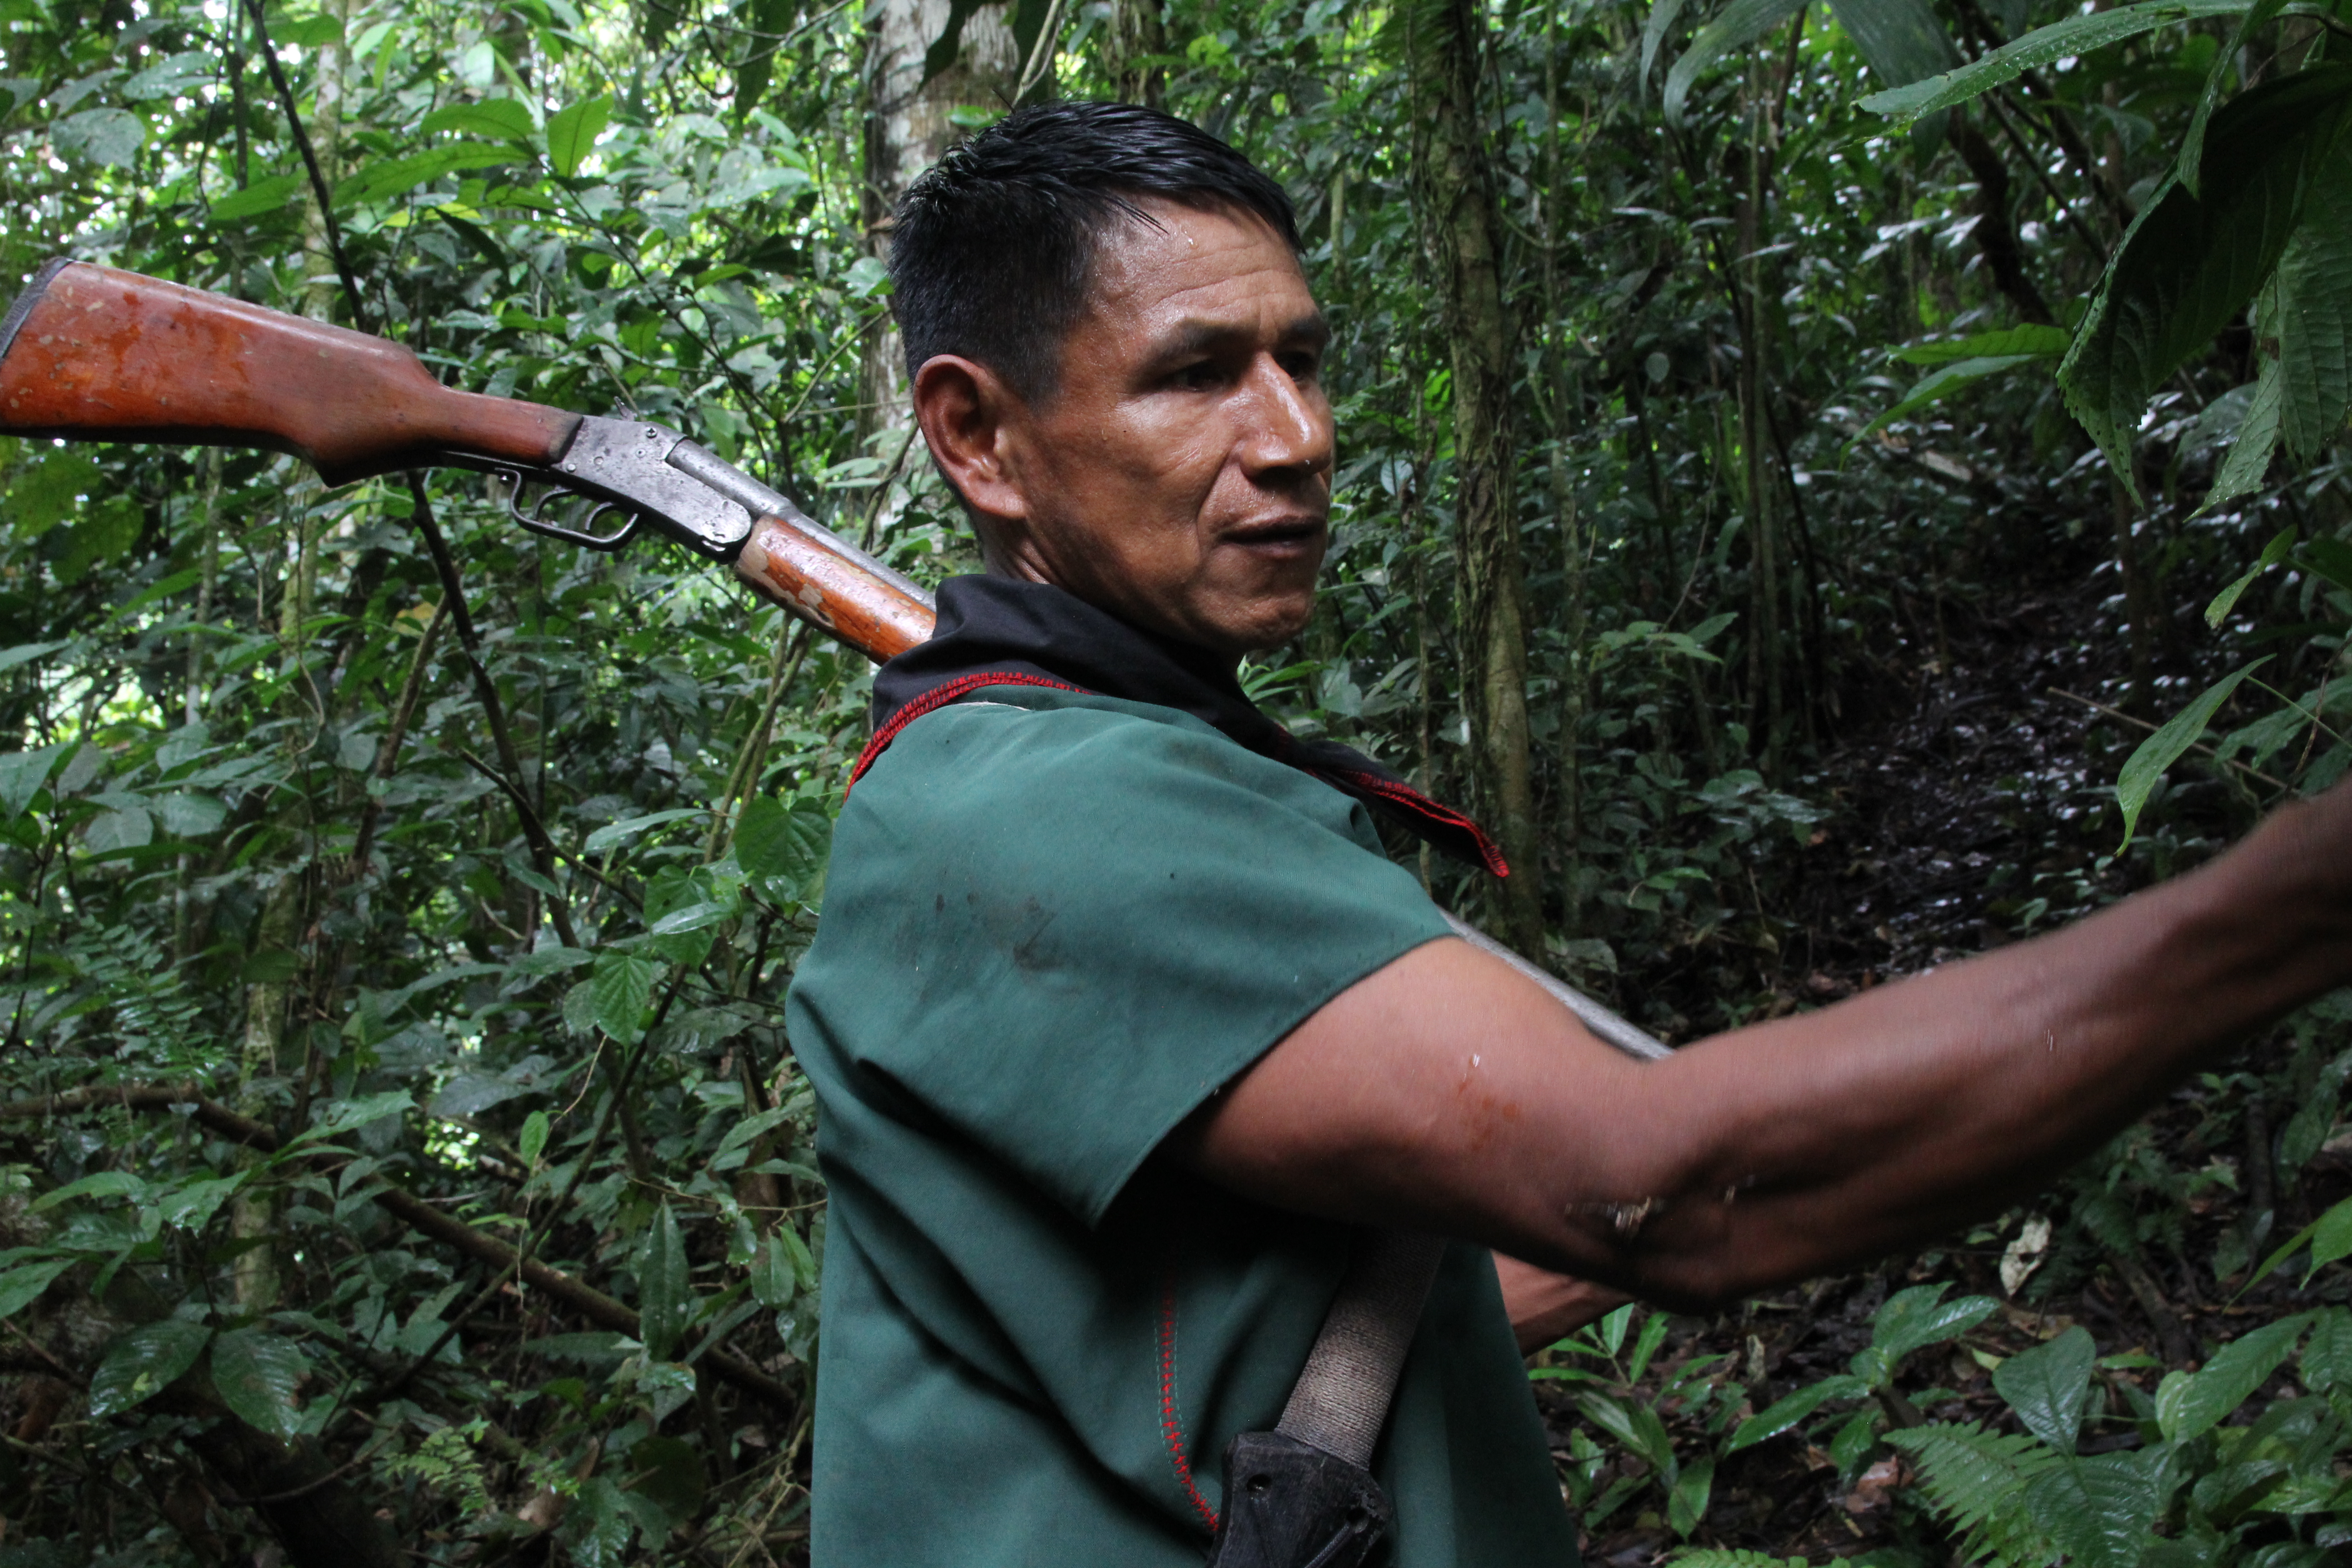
(1200, 374)
(1302, 367)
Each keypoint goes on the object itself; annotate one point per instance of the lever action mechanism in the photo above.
(653, 477)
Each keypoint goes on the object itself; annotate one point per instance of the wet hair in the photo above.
(993, 248)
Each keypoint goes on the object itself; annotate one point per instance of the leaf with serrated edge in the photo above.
(664, 1293)
(2074, 35)
(2187, 266)
(2309, 312)
(2097, 1510)
(1917, 1318)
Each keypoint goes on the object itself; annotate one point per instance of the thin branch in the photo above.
(2143, 724)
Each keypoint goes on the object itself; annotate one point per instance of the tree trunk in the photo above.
(1463, 228)
(907, 129)
(1132, 34)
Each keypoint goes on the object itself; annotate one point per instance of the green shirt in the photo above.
(1054, 926)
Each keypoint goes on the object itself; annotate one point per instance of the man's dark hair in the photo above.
(993, 246)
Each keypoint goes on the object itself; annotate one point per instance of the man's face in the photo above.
(1181, 474)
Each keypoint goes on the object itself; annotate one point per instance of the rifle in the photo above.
(91, 352)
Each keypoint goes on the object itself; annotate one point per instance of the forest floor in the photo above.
(1970, 762)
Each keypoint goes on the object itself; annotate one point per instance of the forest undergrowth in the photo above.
(1968, 806)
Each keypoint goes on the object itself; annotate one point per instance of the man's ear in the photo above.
(967, 414)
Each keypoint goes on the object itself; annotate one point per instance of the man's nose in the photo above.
(1289, 427)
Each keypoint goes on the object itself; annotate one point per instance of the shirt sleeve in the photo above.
(1058, 930)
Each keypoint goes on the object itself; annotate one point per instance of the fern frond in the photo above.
(1975, 1480)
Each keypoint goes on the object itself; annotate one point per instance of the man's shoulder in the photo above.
(1008, 744)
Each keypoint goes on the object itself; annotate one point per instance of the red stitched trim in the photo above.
(1171, 1421)
(1489, 850)
(939, 696)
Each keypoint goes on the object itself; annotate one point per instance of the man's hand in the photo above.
(1447, 1093)
(1544, 1307)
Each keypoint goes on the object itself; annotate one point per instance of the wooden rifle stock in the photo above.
(95, 353)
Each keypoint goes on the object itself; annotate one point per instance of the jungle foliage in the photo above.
(400, 1154)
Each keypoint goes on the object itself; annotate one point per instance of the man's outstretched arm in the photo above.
(1445, 1092)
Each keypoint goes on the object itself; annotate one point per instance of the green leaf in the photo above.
(1636, 1427)
(1915, 1318)
(2029, 339)
(1974, 1479)
(619, 988)
(1790, 1409)
(49, 491)
(2227, 599)
(775, 844)
(665, 1294)
(532, 1139)
(771, 20)
(255, 1373)
(2328, 1357)
(2186, 167)
(1935, 388)
(2160, 751)
(2187, 266)
(22, 1286)
(693, 917)
(2309, 311)
(1661, 20)
(97, 1184)
(774, 1280)
(2048, 1386)
(378, 182)
(2074, 35)
(1740, 24)
(192, 1207)
(21, 773)
(2331, 1238)
(572, 133)
(614, 833)
(2188, 1405)
(2099, 1510)
(309, 32)
(1653, 1334)
(2328, 558)
(188, 816)
(103, 136)
(1903, 41)
(504, 119)
(2248, 459)
(142, 1363)
(1686, 1504)
(343, 1115)
(276, 194)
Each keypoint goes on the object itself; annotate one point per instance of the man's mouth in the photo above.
(1279, 536)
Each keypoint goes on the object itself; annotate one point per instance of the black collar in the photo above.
(996, 631)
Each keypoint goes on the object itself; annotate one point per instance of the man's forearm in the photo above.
(1447, 1092)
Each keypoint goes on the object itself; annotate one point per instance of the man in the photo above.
(1121, 1023)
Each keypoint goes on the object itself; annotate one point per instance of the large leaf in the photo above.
(664, 1295)
(2099, 1510)
(775, 844)
(2189, 1404)
(1942, 384)
(2309, 311)
(1904, 41)
(619, 988)
(22, 1286)
(1741, 24)
(1974, 1479)
(256, 1373)
(2074, 35)
(2160, 751)
(2029, 339)
(139, 1364)
(1634, 1425)
(1655, 28)
(572, 133)
(21, 773)
(276, 193)
(2048, 1384)
(2273, 554)
(2249, 458)
(2186, 167)
(2189, 265)
(1790, 1409)
(505, 118)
